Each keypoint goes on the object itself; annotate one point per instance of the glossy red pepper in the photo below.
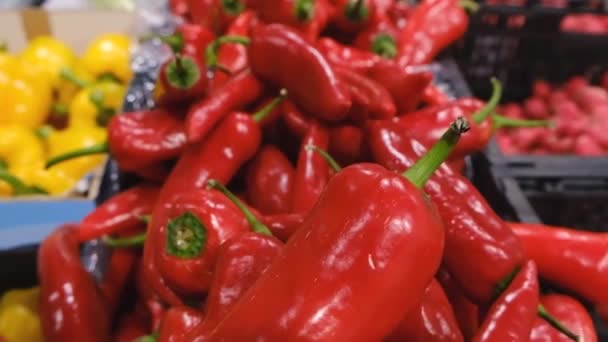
(475, 235)
(121, 212)
(177, 323)
(308, 17)
(512, 315)
(380, 38)
(296, 121)
(342, 248)
(434, 96)
(358, 60)
(572, 259)
(347, 144)
(369, 98)
(179, 8)
(465, 311)
(269, 181)
(283, 225)
(353, 15)
(432, 320)
(122, 263)
(182, 78)
(131, 326)
(278, 55)
(71, 306)
(188, 39)
(570, 313)
(432, 26)
(239, 91)
(215, 14)
(312, 171)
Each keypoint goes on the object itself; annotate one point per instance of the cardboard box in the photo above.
(27, 220)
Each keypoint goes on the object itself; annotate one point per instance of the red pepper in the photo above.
(177, 323)
(131, 326)
(353, 15)
(475, 235)
(115, 279)
(347, 144)
(179, 8)
(182, 78)
(215, 14)
(433, 96)
(380, 38)
(240, 90)
(358, 60)
(312, 171)
(352, 258)
(369, 98)
(269, 180)
(71, 306)
(277, 54)
(399, 13)
(120, 213)
(432, 26)
(297, 122)
(466, 312)
(308, 17)
(232, 58)
(570, 313)
(188, 39)
(512, 316)
(283, 225)
(572, 259)
(432, 320)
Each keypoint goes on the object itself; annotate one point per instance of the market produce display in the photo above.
(300, 178)
(53, 102)
(578, 110)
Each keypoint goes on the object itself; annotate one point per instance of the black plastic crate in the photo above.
(519, 44)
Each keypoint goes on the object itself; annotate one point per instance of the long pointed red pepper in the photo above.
(572, 259)
(570, 313)
(347, 272)
(512, 316)
(465, 311)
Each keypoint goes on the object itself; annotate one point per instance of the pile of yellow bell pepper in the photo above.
(19, 318)
(52, 102)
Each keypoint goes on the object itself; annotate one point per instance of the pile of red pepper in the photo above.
(257, 99)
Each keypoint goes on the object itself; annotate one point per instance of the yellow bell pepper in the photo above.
(73, 138)
(24, 99)
(109, 54)
(48, 56)
(19, 146)
(19, 316)
(41, 181)
(72, 80)
(96, 104)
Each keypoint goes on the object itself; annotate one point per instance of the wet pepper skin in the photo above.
(280, 56)
(512, 315)
(269, 181)
(574, 259)
(570, 313)
(475, 235)
(358, 261)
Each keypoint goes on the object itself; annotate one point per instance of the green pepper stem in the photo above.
(304, 9)
(504, 283)
(325, 155)
(488, 109)
(104, 114)
(356, 10)
(256, 225)
(186, 236)
(233, 7)
(108, 77)
(385, 46)
(60, 109)
(263, 113)
(70, 76)
(87, 151)
(500, 121)
(420, 172)
(175, 41)
(547, 317)
(131, 241)
(211, 51)
(43, 132)
(20, 188)
(469, 5)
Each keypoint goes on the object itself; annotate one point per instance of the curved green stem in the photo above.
(304, 9)
(69, 75)
(87, 151)
(108, 77)
(131, 241)
(422, 170)
(59, 109)
(488, 109)
(504, 283)
(356, 10)
(256, 225)
(384, 45)
(500, 121)
(104, 114)
(547, 317)
(211, 52)
(20, 188)
(328, 158)
(469, 5)
(263, 113)
(233, 7)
